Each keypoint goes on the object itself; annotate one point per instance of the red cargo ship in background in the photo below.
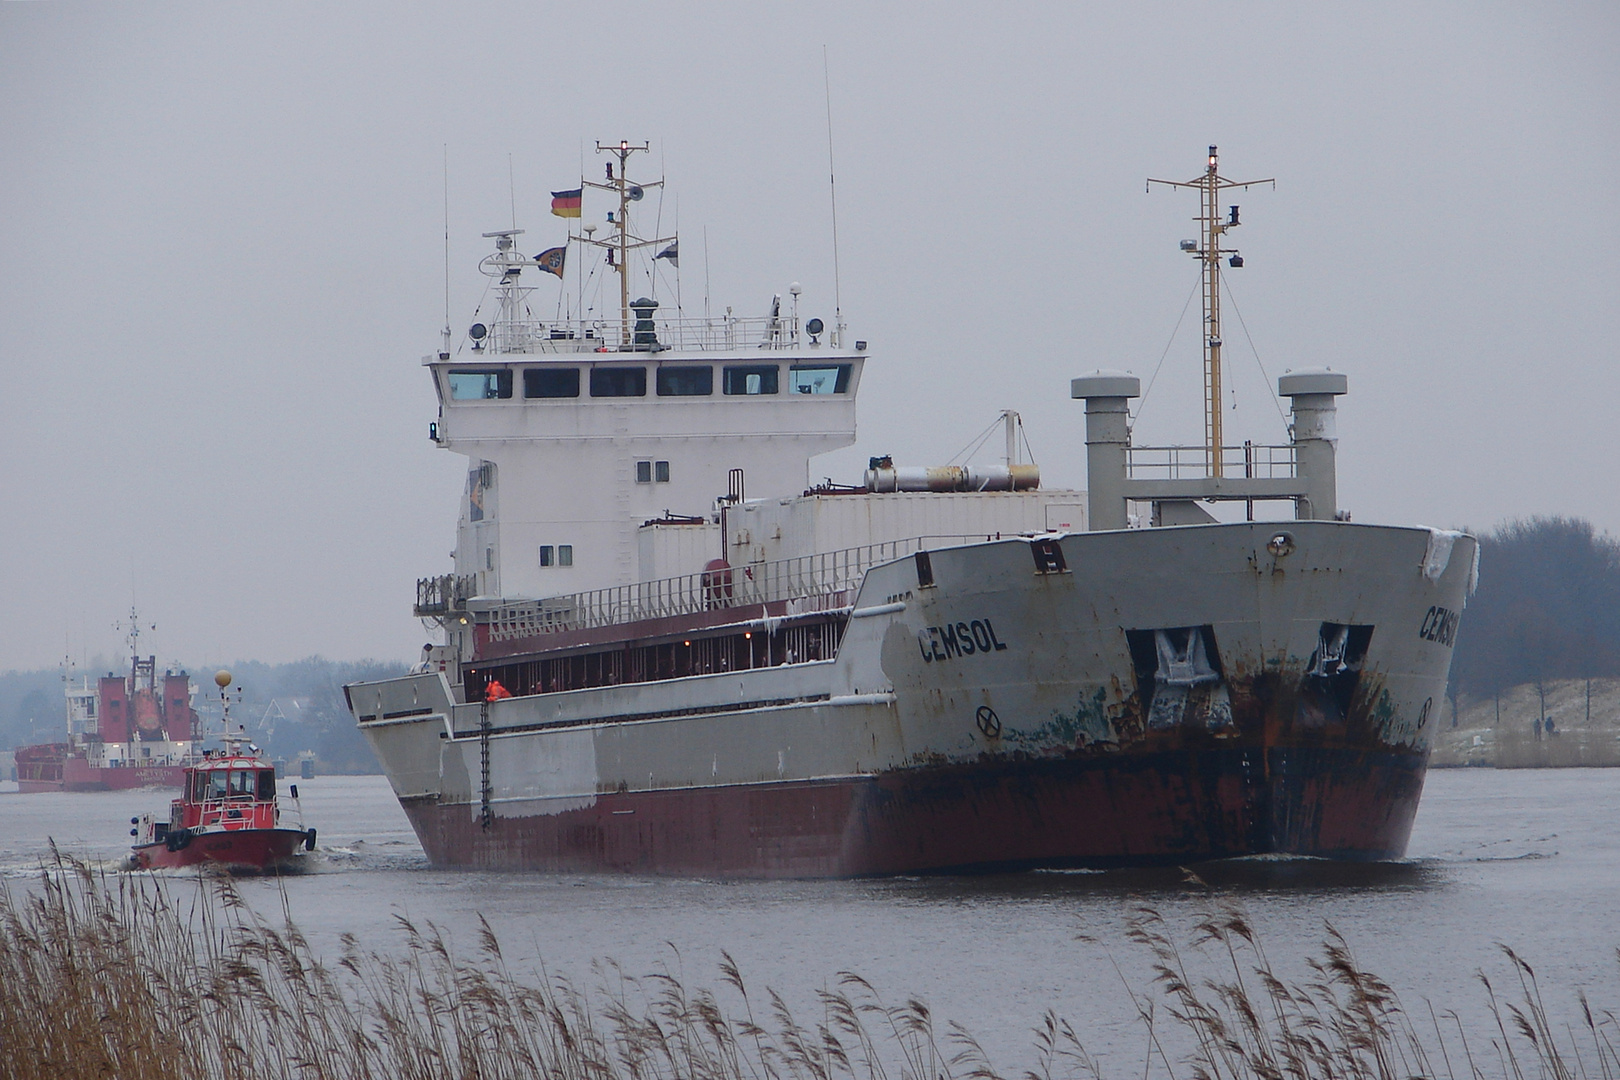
(228, 813)
(126, 731)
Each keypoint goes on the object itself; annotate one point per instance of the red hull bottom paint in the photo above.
(233, 849)
(1126, 809)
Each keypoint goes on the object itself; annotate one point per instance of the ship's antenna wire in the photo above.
(1270, 387)
(445, 348)
(1142, 401)
(832, 190)
(511, 189)
(705, 273)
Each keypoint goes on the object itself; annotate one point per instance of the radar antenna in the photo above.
(1208, 250)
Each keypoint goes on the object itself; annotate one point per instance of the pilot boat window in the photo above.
(267, 785)
(752, 379)
(480, 385)
(619, 382)
(686, 381)
(551, 382)
(827, 379)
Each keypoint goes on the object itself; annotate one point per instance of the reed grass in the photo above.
(114, 977)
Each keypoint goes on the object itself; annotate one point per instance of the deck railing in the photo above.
(1192, 462)
(607, 334)
(823, 582)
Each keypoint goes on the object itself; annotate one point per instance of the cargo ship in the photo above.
(126, 731)
(665, 651)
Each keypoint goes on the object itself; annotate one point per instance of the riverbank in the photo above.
(1562, 723)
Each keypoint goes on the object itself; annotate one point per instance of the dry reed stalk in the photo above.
(114, 977)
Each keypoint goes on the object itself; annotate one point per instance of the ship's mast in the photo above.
(1212, 226)
(622, 242)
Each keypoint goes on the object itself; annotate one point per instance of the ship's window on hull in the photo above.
(618, 382)
(551, 383)
(480, 385)
(545, 554)
(822, 379)
(752, 379)
(1179, 679)
(744, 651)
(565, 554)
(1334, 672)
(685, 381)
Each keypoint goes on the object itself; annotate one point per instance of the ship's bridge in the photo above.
(576, 440)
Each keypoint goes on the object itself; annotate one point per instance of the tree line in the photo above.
(1548, 607)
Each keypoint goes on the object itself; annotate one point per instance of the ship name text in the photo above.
(957, 640)
(1440, 624)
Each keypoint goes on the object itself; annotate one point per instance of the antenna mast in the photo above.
(1208, 250)
(623, 241)
(444, 349)
(832, 188)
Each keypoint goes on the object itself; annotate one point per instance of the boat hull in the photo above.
(78, 775)
(229, 849)
(1149, 809)
(1052, 741)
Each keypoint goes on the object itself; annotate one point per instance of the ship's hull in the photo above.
(1172, 807)
(1001, 715)
(228, 849)
(77, 774)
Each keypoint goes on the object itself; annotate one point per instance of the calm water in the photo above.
(1530, 858)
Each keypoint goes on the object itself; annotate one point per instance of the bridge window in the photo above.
(619, 382)
(686, 381)
(480, 385)
(824, 379)
(752, 379)
(551, 382)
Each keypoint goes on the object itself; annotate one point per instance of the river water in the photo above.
(1529, 858)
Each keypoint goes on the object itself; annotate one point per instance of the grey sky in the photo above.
(221, 257)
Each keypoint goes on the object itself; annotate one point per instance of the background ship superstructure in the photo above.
(666, 652)
(124, 731)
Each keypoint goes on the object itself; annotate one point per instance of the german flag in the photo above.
(566, 203)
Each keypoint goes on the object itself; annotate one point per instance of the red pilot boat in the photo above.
(229, 814)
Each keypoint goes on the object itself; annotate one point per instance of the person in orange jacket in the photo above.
(495, 691)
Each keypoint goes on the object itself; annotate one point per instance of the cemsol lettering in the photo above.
(952, 641)
(1439, 625)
